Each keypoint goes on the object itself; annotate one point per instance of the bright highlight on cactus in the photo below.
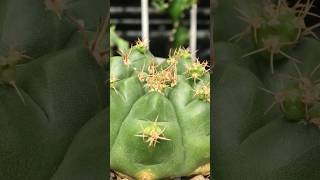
(276, 28)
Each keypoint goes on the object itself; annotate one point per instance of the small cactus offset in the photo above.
(160, 114)
(52, 89)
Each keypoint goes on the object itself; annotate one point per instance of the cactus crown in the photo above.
(159, 101)
(157, 78)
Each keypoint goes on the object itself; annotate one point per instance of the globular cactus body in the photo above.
(52, 88)
(159, 114)
(273, 118)
(266, 121)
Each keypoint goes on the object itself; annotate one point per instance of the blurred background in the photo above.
(311, 20)
(126, 16)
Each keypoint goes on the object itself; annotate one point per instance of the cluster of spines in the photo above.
(272, 12)
(8, 65)
(158, 80)
(152, 133)
(308, 94)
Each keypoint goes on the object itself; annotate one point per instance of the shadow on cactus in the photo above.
(275, 27)
(160, 114)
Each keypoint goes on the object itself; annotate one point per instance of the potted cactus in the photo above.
(160, 115)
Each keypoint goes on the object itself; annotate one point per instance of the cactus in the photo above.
(159, 114)
(266, 122)
(274, 28)
(51, 84)
(116, 41)
(266, 131)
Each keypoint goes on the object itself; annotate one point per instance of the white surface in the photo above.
(145, 21)
(193, 30)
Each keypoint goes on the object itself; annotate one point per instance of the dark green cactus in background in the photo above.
(265, 28)
(52, 87)
(160, 114)
(266, 108)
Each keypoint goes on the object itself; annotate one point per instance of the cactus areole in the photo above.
(160, 114)
(276, 27)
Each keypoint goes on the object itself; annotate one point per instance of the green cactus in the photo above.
(266, 124)
(269, 28)
(266, 108)
(116, 41)
(181, 37)
(52, 88)
(160, 114)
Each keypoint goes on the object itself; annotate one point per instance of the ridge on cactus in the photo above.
(275, 27)
(159, 114)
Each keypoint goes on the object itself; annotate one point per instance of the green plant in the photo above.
(116, 41)
(266, 123)
(160, 114)
(273, 28)
(176, 10)
(52, 90)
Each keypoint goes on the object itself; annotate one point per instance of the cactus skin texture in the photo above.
(52, 90)
(160, 114)
(266, 125)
